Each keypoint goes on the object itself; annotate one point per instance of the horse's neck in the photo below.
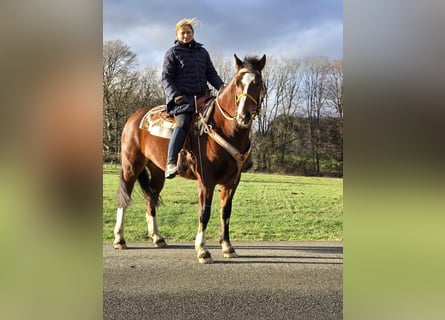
(227, 127)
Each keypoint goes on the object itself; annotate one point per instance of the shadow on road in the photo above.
(265, 254)
(282, 260)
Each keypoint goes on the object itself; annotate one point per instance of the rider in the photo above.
(186, 70)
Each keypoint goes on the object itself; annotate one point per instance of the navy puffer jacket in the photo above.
(185, 72)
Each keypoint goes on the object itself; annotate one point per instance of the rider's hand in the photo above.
(179, 100)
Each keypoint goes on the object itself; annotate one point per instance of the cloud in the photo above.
(285, 27)
(319, 40)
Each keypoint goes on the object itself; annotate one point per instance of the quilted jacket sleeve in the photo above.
(169, 71)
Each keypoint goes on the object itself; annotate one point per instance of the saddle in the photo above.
(160, 123)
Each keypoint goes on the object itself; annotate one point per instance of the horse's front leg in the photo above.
(205, 201)
(226, 196)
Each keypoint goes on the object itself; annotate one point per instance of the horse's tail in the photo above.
(149, 192)
(123, 194)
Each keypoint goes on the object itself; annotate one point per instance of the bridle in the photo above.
(257, 103)
(237, 99)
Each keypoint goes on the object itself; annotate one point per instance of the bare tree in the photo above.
(126, 89)
(118, 60)
(225, 67)
(262, 140)
(148, 91)
(334, 87)
(314, 82)
(334, 99)
(288, 94)
(119, 79)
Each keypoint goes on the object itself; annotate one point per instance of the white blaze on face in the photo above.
(247, 79)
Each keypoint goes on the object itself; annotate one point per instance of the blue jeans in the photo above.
(183, 121)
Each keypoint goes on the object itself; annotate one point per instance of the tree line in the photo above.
(299, 129)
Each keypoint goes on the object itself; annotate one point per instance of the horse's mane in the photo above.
(252, 62)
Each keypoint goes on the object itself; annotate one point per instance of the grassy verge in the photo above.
(265, 207)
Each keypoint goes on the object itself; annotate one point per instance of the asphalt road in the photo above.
(269, 280)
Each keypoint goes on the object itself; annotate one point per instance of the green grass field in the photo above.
(265, 207)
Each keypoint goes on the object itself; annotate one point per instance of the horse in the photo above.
(220, 153)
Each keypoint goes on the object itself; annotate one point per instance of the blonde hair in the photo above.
(186, 22)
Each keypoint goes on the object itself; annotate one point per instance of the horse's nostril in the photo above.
(247, 117)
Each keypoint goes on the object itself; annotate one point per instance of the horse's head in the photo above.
(250, 89)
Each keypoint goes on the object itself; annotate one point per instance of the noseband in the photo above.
(257, 106)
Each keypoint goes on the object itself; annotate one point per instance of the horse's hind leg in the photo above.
(119, 241)
(126, 184)
(152, 188)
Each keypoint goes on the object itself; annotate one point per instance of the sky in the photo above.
(280, 28)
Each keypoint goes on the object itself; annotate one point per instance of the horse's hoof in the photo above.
(205, 260)
(230, 254)
(120, 246)
(205, 257)
(228, 251)
(160, 243)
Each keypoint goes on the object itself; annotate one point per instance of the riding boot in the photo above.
(176, 142)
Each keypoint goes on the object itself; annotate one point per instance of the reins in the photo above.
(221, 109)
(199, 141)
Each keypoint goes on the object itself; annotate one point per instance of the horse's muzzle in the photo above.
(244, 120)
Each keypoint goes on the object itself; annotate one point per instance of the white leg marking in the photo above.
(201, 248)
(152, 225)
(119, 227)
(200, 241)
(119, 242)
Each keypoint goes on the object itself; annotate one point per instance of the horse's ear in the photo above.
(262, 62)
(238, 62)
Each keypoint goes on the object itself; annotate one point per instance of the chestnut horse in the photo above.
(220, 154)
